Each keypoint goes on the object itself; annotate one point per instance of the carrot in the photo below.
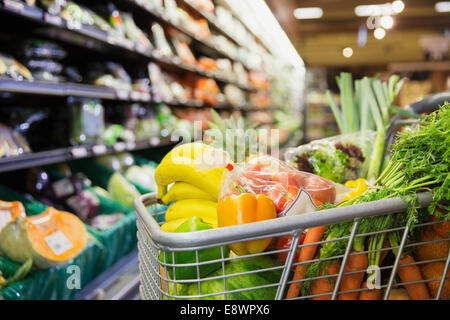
(306, 253)
(358, 262)
(416, 291)
(325, 285)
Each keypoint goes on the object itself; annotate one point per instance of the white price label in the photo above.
(58, 242)
(99, 149)
(135, 95)
(122, 94)
(79, 152)
(55, 20)
(5, 217)
(154, 141)
(145, 96)
(14, 5)
(131, 145)
(119, 146)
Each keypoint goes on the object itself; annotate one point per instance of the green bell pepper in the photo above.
(189, 257)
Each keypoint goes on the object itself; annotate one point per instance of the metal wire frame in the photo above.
(156, 283)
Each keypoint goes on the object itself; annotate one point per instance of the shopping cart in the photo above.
(155, 248)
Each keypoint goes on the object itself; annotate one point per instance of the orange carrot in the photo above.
(325, 285)
(306, 253)
(416, 291)
(358, 262)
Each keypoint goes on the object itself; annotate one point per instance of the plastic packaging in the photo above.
(88, 122)
(12, 143)
(277, 180)
(339, 158)
(11, 68)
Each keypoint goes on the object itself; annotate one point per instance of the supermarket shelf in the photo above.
(40, 17)
(212, 20)
(78, 152)
(164, 18)
(120, 282)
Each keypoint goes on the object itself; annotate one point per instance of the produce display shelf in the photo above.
(37, 15)
(42, 158)
(99, 92)
(212, 20)
(164, 18)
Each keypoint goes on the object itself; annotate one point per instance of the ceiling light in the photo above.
(347, 52)
(398, 6)
(379, 33)
(387, 22)
(443, 6)
(308, 13)
(374, 10)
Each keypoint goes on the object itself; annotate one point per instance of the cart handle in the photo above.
(271, 227)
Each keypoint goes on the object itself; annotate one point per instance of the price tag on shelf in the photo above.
(135, 95)
(119, 146)
(73, 24)
(131, 145)
(145, 96)
(99, 149)
(14, 5)
(5, 217)
(122, 94)
(58, 242)
(154, 141)
(79, 152)
(52, 19)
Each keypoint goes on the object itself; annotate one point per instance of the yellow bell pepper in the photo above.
(245, 208)
(359, 186)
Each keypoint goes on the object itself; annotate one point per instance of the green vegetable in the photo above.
(368, 106)
(186, 257)
(241, 281)
(121, 190)
(20, 274)
(420, 162)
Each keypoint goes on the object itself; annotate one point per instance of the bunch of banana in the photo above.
(194, 178)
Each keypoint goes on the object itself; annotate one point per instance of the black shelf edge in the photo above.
(98, 92)
(42, 158)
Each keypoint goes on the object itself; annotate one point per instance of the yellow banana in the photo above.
(183, 191)
(204, 209)
(189, 163)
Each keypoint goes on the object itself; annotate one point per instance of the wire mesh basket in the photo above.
(263, 276)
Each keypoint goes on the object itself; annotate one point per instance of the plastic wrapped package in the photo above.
(11, 68)
(160, 89)
(54, 7)
(339, 158)
(41, 49)
(110, 74)
(234, 95)
(88, 121)
(183, 50)
(133, 33)
(50, 283)
(161, 42)
(12, 143)
(277, 180)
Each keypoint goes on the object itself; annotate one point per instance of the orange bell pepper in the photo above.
(246, 208)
